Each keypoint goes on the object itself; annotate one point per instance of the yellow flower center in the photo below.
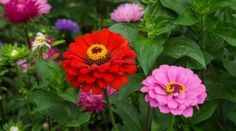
(40, 41)
(174, 87)
(97, 54)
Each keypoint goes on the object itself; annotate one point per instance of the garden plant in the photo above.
(117, 65)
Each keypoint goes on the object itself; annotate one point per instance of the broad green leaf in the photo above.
(220, 91)
(51, 74)
(188, 17)
(192, 64)
(69, 95)
(68, 115)
(229, 62)
(126, 30)
(182, 46)
(176, 5)
(147, 51)
(44, 100)
(205, 111)
(132, 86)
(227, 32)
(129, 114)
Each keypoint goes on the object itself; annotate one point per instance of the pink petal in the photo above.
(164, 109)
(188, 112)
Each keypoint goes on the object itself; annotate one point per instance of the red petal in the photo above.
(84, 70)
(86, 88)
(114, 41)
(96, 90)
(104, 36)
(116, 83)
(104, 67)
(108, 77)
(72, 71)
(89, 39)
(89, 79)
(102, 83)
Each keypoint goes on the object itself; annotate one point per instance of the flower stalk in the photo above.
(110, 110)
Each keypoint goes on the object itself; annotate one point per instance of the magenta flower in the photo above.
(20, 11)
(174, 90)
(53, 53)
(23, 64)
(91, 102)
(128, 12)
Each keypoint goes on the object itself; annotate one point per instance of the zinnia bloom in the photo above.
(20, 11)
(98, 60)
(128, 12)
(174, 90)
(93, 102)
(67, 25)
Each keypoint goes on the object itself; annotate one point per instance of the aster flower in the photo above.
(98, 60)
(20, 11)
(39, 42)
(128, 12)
(12, 53)
(14, 126)
(174, 90)
(92, 102)
(67, 25)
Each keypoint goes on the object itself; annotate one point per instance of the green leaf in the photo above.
(229, 62)
(58, 42)
(147, 51)
(205, 111)
(132, 86)
(220, 91)
(51, 74)
(44, 100)
(176, 5)
(129, 114)
(182, 46)
(126, 30)
(68, 115)
(227, 32)
(69, 95)
(188, 17)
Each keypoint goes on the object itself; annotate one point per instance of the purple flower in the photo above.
(128, 12)
(67, 25)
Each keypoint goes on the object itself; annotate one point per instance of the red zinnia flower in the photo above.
(97, 60)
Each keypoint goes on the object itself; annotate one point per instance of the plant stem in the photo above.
(148, 122)
(27, 35)
(110, 110)
(171, 120)
(29, 111)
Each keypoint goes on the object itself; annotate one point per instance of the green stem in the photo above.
(110, 110)
(148, 122)
(171, 121)
(29, 111)
(27, 35)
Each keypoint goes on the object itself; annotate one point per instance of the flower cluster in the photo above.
(20, 11)
(67, 25)
(174, 90)
(92, 102)
(128, 12)
(98, 60)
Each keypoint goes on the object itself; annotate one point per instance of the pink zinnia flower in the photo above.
(20, 11)
(174, 90)
(92, 102)
(128, 12)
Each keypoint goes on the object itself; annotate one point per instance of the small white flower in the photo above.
(14, 128)
(14, 53)
(40, 41)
